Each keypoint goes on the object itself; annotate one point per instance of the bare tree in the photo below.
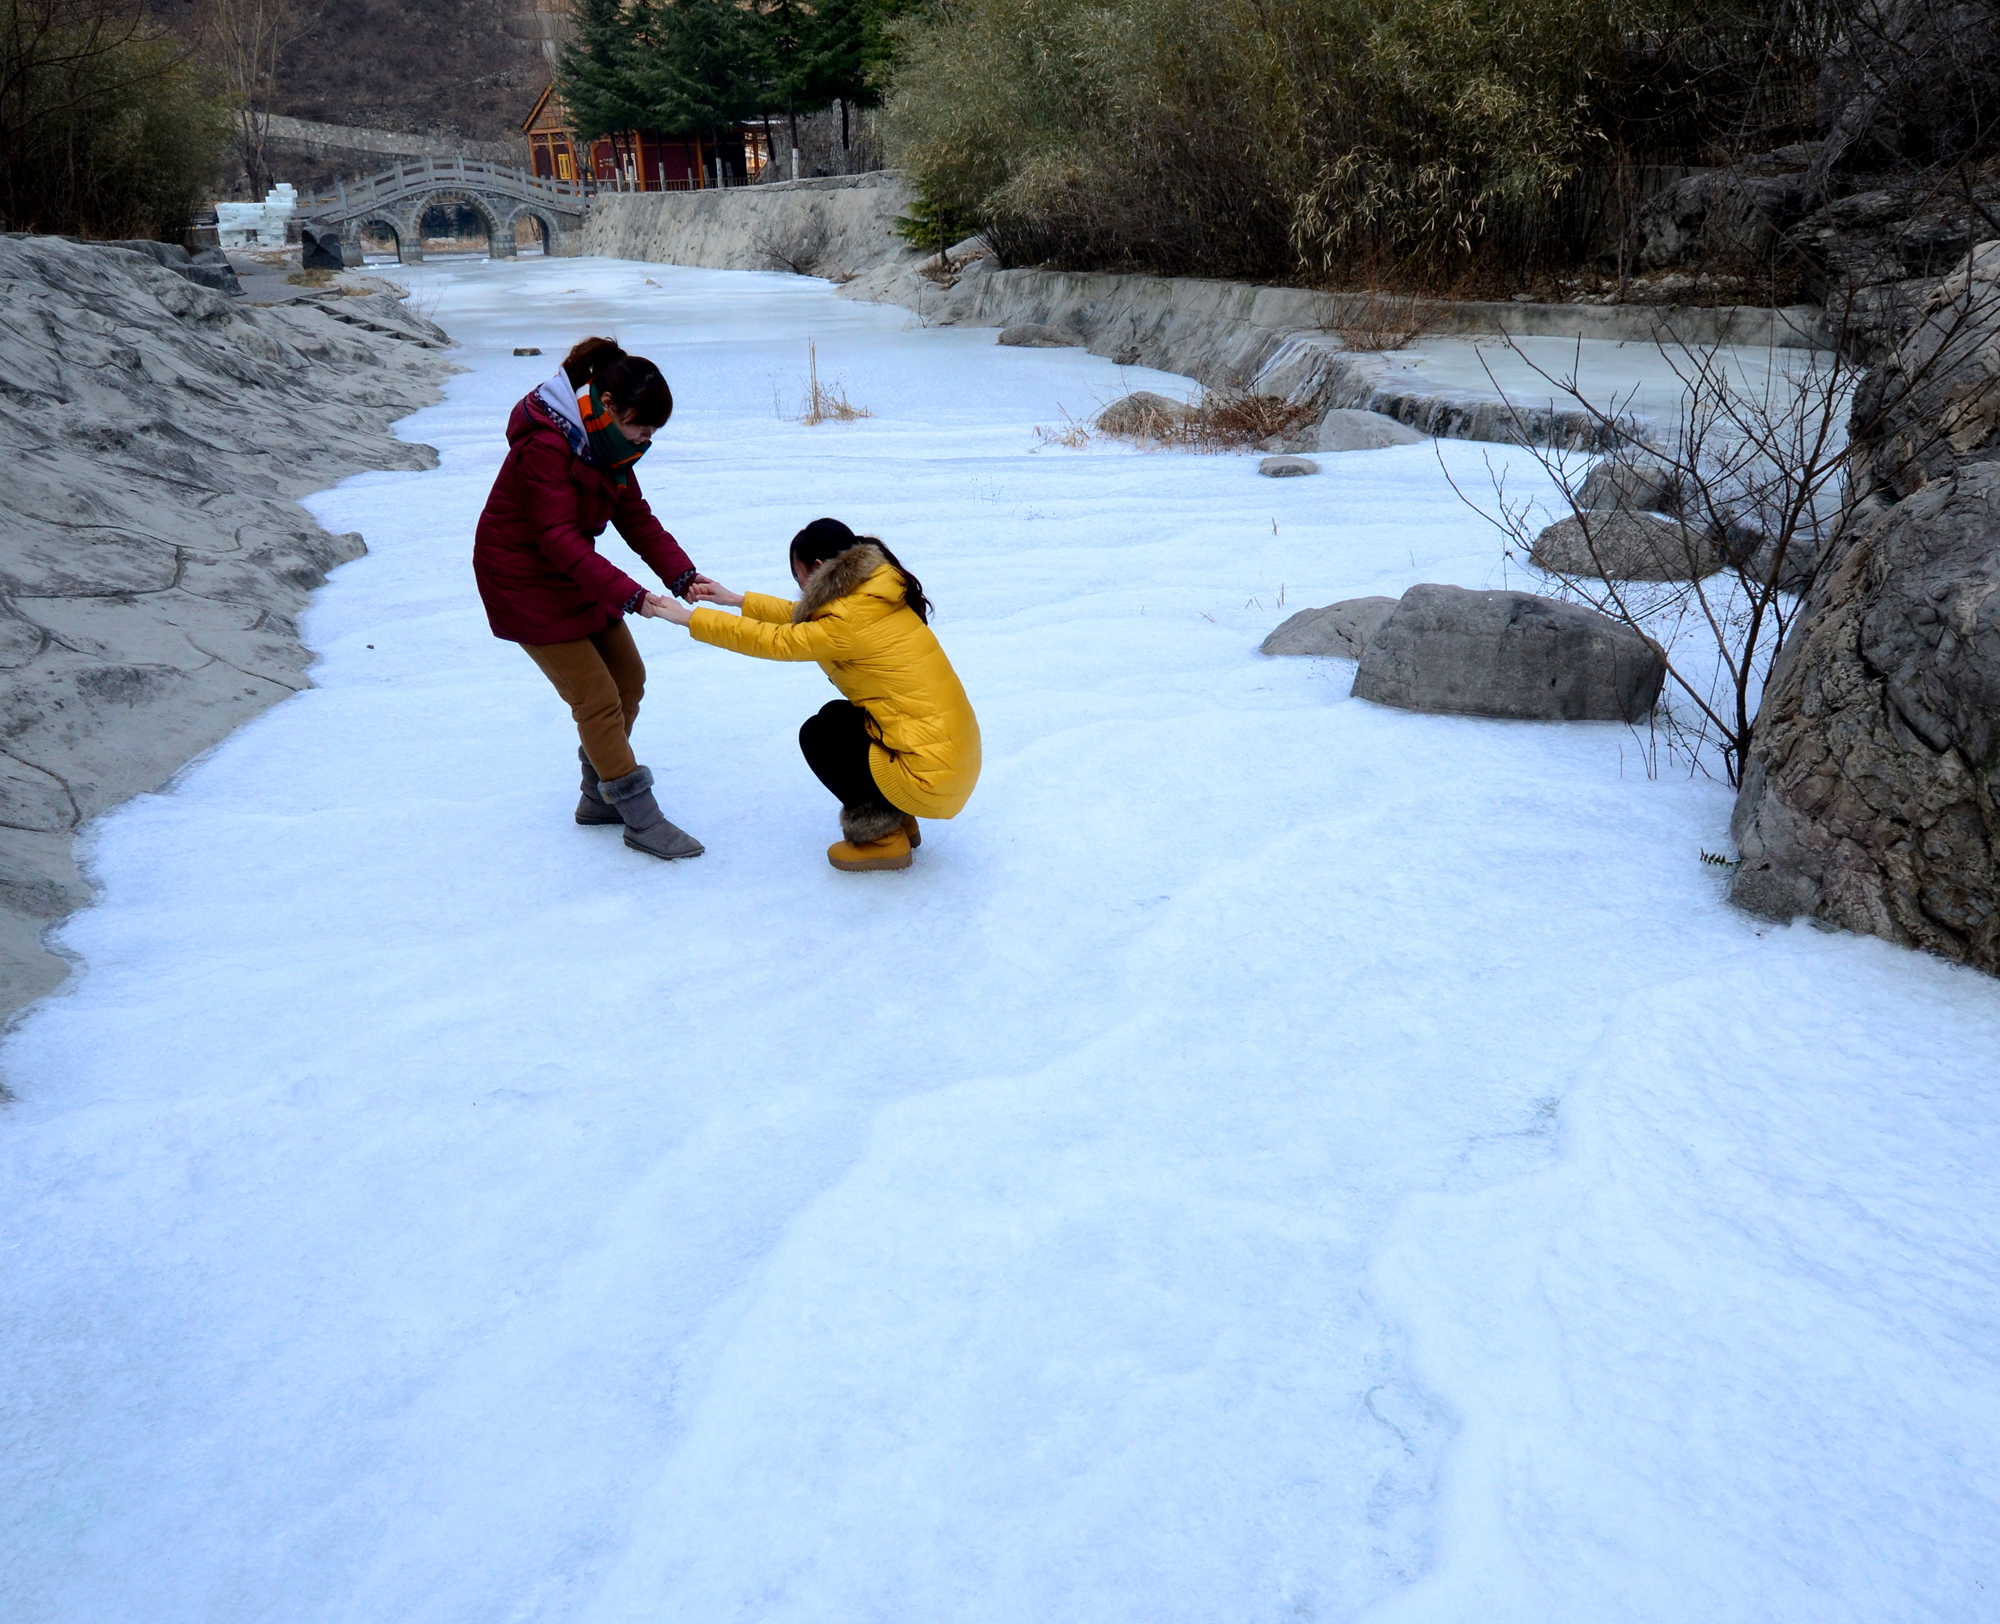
(69, 69)
(248, 40)
(1705, 532)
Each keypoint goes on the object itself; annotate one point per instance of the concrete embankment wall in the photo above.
(1274, 339)
(836, 227)
(154, 558)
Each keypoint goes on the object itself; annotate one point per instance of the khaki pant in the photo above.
(601, 679)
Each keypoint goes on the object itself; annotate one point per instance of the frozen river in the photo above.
(1273, 1158)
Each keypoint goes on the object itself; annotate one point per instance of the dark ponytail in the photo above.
(631, 383)
(829, 538)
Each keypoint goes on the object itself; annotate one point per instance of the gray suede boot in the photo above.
(591, 806)
(646, 826)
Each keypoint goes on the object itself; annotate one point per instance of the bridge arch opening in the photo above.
(455, 225)
(379, 237)
(531, 233)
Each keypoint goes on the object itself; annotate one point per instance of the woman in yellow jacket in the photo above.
(904, 743)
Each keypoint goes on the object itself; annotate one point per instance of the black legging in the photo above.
(835, 744)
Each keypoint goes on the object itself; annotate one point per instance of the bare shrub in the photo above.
(1759, 471)
(826, 402)
(107, 124)
(1222, 420)
(798, 246)
(1373, 321)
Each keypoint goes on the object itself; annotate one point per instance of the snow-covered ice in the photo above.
(1273, 1158)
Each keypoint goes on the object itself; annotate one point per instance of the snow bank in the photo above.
(152, 437)
(1271, 1158)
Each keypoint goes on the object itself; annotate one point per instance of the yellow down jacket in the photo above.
(852, 619)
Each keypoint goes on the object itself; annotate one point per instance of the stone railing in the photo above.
(433, 174)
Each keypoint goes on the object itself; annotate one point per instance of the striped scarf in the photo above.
(609, 449)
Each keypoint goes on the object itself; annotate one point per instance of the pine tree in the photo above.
(781, 29)
(845, 46)
(699, 70)
(595, 76)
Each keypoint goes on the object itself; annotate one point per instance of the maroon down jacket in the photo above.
(534, 554)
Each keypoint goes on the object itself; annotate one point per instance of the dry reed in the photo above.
(826, 403)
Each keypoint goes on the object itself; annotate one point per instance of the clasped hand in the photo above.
(660, 607)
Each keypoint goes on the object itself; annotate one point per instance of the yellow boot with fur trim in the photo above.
(877, 837)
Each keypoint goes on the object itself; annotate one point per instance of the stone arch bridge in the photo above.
(394, 203)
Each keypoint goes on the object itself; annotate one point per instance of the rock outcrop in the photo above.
(1509, 654)
(1865, 220)
(152, 556)
(1869, 798)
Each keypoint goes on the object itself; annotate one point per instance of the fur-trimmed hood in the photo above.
(839, 577)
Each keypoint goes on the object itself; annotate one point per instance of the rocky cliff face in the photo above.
(153, 436)
(1869, 799)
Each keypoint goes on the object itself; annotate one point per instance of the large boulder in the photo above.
(1630, 485)
(1340, 631)
(1509, 654)
(1868, 799)
(1141, 414)
(1626, 547)
(1349, 428)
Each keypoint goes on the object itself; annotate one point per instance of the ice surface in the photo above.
(1272, 1158)
(1641, 378)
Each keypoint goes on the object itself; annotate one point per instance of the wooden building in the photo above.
(641, 160)
(551, 148)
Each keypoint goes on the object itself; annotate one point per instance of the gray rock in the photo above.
(1032, 335)
(1869, 799)
(1139, 414)
(1348, 428)
(321, 249)
(1935, 403)
(210, 269)
(1630, 485)
(216, 278)
(1340, 631)
(153, 560)
(1626, 547)
(1287, 467)
(1735, 216)
(1509, 654)
(1869, 796)
(169, 254)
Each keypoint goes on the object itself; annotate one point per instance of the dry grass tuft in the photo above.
(827, 403)
(1074, 434)
(1229, 420)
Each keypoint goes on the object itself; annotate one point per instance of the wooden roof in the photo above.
(557, 114)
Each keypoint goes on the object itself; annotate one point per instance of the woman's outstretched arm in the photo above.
(755, 605)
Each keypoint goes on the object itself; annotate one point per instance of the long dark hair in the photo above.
(631, 383)
(829, 538)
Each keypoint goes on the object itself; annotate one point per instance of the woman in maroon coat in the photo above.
(569, 472)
